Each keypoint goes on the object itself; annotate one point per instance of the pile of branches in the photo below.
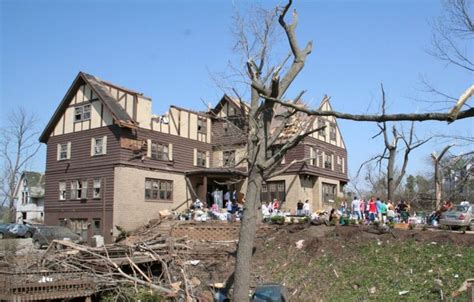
(157, 264)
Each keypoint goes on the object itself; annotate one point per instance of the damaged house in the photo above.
(29, 195)
(111, 162)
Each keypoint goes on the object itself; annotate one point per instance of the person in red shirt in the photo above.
(372, 209)
(276, 204)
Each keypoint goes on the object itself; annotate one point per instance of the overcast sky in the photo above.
(169, 49)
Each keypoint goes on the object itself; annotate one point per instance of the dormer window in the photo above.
(82, 113)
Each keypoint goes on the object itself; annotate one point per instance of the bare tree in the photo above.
(19, 145)
(451, 31)
(437, 174)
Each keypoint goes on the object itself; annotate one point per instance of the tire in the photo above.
(37, 244)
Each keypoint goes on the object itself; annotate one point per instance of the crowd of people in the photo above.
(375, 209)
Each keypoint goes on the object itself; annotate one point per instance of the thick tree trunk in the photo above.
(248, 229)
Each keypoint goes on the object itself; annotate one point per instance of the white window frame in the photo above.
(79, 187)
(82, 113)
(64, 151)
(97, 188)
(99, 146)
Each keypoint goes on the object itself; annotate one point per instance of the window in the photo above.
(64, 151)
(159, 151)
(329, 192)
(332, 132)
(229, 158)
(202, 125)
(328, 161)
(24, 197)
(82, 113)
(158, 189)
(96, 191)
(312, 156)
(99, 146)
(322, 123)
(79, 189)
(79, 226)
(62, 190)
(272, 190)
(201, 158)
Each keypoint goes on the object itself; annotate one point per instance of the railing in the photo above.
(34, 286)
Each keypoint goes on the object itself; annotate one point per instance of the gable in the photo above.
(228, 106)
(332, 134)
(106, 103)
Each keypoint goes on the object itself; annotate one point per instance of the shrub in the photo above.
(411, 226)
(292, 220)
(278, 219)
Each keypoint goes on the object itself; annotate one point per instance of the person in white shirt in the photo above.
(356, 208)
(265, 210)
(306, 208)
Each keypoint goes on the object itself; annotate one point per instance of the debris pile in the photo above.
(159, 264)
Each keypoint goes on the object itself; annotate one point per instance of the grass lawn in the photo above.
(332, 268)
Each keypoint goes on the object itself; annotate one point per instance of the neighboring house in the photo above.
(111, 162)
(29, 195)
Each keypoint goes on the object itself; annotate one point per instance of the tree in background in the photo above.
(18, 146)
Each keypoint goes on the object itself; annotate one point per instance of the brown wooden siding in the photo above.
(82, 166)
(182, 151)
(326, 147)
(234, 135)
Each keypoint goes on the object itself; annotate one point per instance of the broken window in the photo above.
(98, 146)
(79, 226)
(201, 158)
(82, 113)
(158, 189)
(202, 125)
(96, 191)
(329, 192)
(79, 189)
(62, 190)
(159, 151)
(229, 158)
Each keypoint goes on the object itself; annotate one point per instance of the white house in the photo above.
(29, 195)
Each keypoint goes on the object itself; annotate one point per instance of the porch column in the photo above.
(204, 198)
